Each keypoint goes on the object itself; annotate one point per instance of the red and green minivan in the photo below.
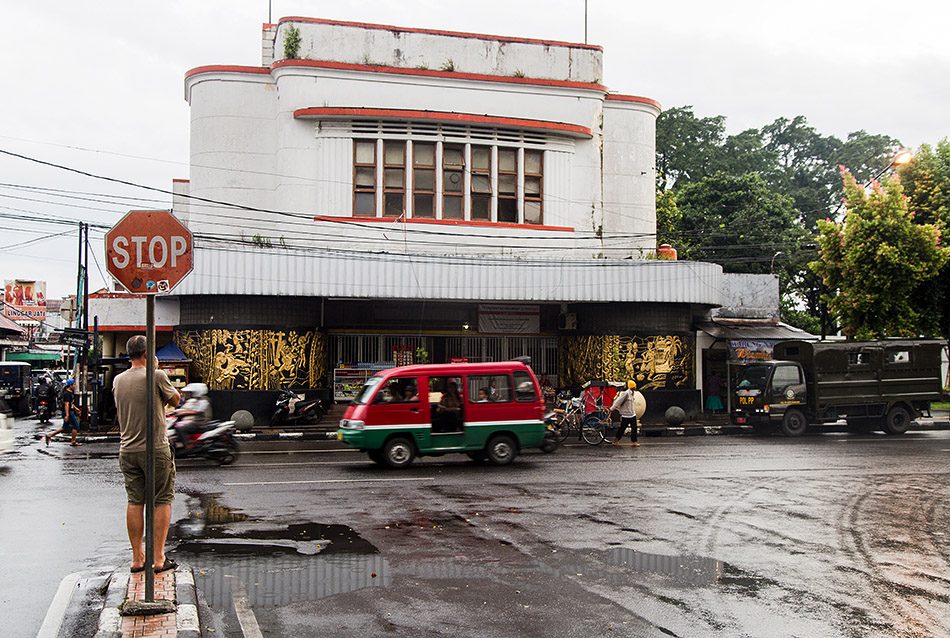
(489, 411)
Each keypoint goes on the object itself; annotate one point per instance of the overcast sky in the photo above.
(107, 77)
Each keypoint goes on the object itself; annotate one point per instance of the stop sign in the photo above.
(149, 251)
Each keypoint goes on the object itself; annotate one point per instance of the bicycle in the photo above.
(567, 418)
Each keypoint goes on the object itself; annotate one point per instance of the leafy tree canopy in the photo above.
(873, 261)
(737, 221)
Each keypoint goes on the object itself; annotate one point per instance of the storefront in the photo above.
(732, 344)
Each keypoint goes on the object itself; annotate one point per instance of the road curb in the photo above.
(186, 598)
(697, 429)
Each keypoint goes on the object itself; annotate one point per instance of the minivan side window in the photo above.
(489, 388)
(524, 387)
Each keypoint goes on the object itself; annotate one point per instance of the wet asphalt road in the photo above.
(830, 535)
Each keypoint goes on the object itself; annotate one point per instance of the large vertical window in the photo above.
(364, 178)
(394, 178)
(453, 181)
(508, 185)
(481, 183)
(533, 194)
(503, 178)
(423, 180)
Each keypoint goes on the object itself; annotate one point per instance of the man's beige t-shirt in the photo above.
(128, 389)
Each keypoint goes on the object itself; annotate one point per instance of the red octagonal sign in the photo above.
(149, 251)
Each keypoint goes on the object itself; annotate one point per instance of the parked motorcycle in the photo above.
(44, 411)
(215, 442)
(551, 441)
(291, 408)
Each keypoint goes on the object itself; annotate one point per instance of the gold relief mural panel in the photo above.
(256, 359)
(656, 362)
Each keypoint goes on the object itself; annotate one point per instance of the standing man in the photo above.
(130, 395)
(631, 405)
(70, 420)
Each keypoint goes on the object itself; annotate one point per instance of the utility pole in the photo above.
(85, 325)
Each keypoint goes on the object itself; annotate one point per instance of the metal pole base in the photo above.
(145, 608)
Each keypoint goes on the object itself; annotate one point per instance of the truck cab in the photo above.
(766, 391)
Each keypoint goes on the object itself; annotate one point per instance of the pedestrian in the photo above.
(631, 405)
(129, 390)
(70, 418)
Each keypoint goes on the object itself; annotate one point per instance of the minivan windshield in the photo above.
(754, 377)
(369, 388)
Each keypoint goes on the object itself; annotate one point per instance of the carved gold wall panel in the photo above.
(256, 359)
(655, 362)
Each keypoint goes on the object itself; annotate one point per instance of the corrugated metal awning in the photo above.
(752, 329)
(350, 274)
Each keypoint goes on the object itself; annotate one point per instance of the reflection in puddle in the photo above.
(236, 556)
(687, 570)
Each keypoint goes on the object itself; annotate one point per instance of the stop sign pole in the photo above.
(149, 252)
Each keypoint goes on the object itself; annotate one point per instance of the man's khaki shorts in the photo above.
(132, 465)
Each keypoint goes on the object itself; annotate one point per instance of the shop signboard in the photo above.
(24, 300)
(512, 319)
(748, 350)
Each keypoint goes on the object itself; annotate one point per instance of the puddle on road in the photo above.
(689, 570)
(237, 556)
(686, 570)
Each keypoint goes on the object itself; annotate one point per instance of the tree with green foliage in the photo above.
(737, 221)
(926, 182)
(686, 146)
(667, 217)
(872, 262)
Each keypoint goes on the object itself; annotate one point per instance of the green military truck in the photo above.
(874, 385)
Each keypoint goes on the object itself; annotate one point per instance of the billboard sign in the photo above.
(24, 300)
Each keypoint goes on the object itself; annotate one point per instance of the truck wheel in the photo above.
(398, 452)
(897, 420)
(501, 450)
(794, 423)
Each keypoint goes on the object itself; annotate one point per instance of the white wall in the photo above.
(629, 174)
(393, 47)
(248, 148)
(749, 296)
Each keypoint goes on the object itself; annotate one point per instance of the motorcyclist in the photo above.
(194, 413)
(44, 392)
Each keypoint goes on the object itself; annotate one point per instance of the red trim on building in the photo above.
(134, 328)
(617, 97)
(323, 112)
(440, 222)
(227, 68)
(453, 34)
(455, 75)
(179, 180)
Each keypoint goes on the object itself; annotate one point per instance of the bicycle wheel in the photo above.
(592, 430)
(564, 427)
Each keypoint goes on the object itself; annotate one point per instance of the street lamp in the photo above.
(772, 264)
(902, 158)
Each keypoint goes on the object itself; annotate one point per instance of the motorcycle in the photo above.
(291, 408)
(215, 442)
(551, 441)
(44, 411)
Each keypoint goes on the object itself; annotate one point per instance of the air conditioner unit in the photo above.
(567, 321)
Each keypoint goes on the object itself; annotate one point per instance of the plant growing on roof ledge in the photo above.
(292, 43)
(448, 65)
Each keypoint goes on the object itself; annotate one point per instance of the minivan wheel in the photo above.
(794, 423)
(398, 452)
(501, 450)
(897, 420)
